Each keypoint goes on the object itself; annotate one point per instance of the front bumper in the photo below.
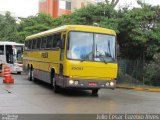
(85, 84)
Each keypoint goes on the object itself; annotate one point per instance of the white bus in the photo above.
(11, 54)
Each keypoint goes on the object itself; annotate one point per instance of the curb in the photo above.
(140, 89)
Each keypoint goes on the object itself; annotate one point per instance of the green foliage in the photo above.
(139, 31)
(34, 24)
(113, 3)
(103, 14)
(63, 20)
(152, 70)
(8, 27)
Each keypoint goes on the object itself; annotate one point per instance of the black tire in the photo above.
(52, 79)
(30, 74)
(53, 82)
(95, 92)
(19, 73)
(56, 88)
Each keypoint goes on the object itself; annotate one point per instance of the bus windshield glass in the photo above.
(91, 47)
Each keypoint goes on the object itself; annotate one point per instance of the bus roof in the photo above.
(83, 28)
(9, 43)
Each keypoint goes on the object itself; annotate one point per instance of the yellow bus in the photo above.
(73, 56)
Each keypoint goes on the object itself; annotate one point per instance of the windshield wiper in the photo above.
(100, 56)
(102, 59)
(82, 60)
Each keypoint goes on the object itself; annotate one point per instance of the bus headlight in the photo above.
(112, 84)
(107, 84)
(71, 82)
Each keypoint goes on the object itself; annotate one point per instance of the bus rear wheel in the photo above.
(30, 74)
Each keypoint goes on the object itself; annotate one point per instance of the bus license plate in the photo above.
(92, 84)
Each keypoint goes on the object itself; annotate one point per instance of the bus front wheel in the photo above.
(56, 88)
(95, 92)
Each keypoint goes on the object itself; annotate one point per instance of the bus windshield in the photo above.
(91, 47)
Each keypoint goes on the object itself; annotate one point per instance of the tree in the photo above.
(112, 3)
(8, 31)
(152, 71)
(34, 24)
(103, 14)
(139, 31)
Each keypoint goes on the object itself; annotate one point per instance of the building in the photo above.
(59, 7)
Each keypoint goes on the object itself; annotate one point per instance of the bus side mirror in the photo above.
(118, 50)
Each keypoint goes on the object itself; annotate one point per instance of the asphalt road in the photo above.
(39, 98)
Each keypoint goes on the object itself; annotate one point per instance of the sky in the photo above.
(134, 3)
(25, 8)
(20, 8)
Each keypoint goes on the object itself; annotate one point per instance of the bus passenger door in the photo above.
(62, 45)
(9, 54)
(2, 54)
(61, 67)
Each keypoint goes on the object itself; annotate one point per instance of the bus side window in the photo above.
(49, 41)
(26, 45)
(64, 37)
(54, 42)
(1, 49)
(38, 43)
(34, 44)
(57, 38)
(30, 44)
(44, 42)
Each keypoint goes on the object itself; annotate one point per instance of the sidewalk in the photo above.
(138, 87)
